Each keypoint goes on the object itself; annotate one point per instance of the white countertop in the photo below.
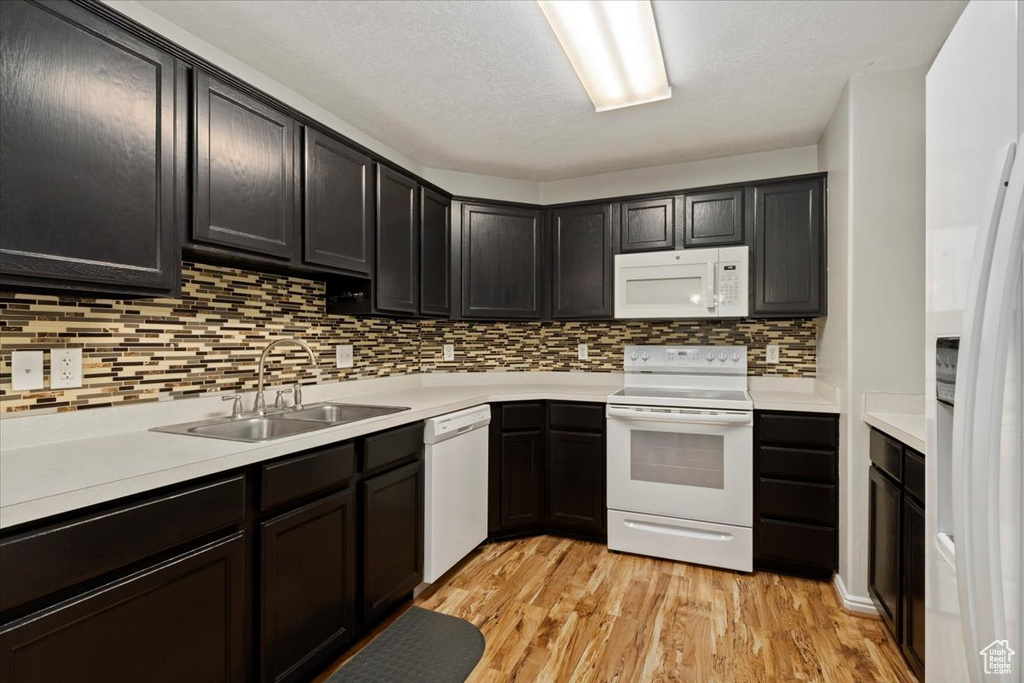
(906, 428)
(51, 464)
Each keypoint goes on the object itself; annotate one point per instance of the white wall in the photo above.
(783, 162)
(873, 149)
(636, 181)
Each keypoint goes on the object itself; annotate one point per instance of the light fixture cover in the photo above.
(613, 46)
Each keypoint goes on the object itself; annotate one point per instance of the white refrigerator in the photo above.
(974, 389)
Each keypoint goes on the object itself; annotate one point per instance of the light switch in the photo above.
(65, 368)
(26, 370)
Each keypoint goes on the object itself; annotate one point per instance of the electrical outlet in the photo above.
(448, 352)
(771, 353)
(65, 368)
(343, 356)
(581, 352)
(26, 370)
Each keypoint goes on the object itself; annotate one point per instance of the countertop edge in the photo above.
(884, 423)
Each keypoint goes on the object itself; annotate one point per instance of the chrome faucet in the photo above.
(259, 406)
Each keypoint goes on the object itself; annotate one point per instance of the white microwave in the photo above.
(691, 283)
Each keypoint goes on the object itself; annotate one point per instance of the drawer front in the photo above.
(887, 453)
(522, 415)
(779, 462)
(811, 503)
(580, 417)
(913, 473)
(383, 451)
(297, 477)
(795, 543)
(798, 429)
(40, 562)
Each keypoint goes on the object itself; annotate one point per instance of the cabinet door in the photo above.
(884, 547)
(181, 620)
(522, 469)
(713, 219)
(575, 482)
(338, 203)
(789, 249)
(245, 192)
(392, 539)
(398, 274)
(87, 173)
(435, 254)
(581, 263)
(913, 584)
(647, 225)
(307, 586)
(503, 262)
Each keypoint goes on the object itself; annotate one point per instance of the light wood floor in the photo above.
(553, 609)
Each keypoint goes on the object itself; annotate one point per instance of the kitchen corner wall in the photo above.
(210, 338)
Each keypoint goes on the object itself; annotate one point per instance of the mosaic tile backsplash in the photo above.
(211, 337)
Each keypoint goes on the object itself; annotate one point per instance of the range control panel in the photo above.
(685, 359)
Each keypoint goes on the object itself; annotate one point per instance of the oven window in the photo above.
(680, 459)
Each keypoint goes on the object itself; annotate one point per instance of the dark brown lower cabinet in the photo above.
(392, 539)
(796, 501)
(896, 543)
(547, 469)
(308, 587)
(182, 619)
(884, 550)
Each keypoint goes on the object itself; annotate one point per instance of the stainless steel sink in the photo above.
(255, 428)
(339, 413)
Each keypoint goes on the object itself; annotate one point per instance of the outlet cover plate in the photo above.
(65, 368)
(343, 355)
(26, 370)
(448, 352)
(771, 353)
(581, 352)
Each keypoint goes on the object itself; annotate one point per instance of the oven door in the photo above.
(681, 462)
(666, 284)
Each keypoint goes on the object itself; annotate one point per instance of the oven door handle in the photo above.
(680, 416)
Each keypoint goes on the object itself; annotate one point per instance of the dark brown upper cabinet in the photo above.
(397, 279)
(246, 162)
(713, 219)
(647, 224)
(581, 261)
(504, 262)
(91, 174)
(788, 269)
(338, 205)
(435, 253)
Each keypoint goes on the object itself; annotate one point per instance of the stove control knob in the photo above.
(645, 356)
(709, 355)
(736, 356)
(634, 355)
(722, 356)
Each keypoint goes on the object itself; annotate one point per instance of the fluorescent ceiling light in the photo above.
(614, 47)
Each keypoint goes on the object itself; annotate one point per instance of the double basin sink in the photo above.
(277, 425)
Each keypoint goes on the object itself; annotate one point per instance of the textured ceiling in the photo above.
(484, 87)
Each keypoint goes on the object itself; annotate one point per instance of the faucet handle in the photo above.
(279, 397)
(236, 407)
(297, 396)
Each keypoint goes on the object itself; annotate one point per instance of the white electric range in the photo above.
(680, 456)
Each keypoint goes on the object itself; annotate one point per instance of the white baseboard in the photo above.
(853, 603)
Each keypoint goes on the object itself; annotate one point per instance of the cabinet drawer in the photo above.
(37, 563)
(382, 451)
(887, 454)
(797, 463)
(586, 417)
(913, 473)
(793, 543)
(813, 503)
(297, 477)
(798, 429)
(522, 415)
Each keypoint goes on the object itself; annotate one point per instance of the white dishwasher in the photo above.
(455, 454)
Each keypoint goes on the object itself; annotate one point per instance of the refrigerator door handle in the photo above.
(977, 419)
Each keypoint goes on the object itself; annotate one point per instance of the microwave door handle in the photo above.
(682, 418)
(709, 288)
